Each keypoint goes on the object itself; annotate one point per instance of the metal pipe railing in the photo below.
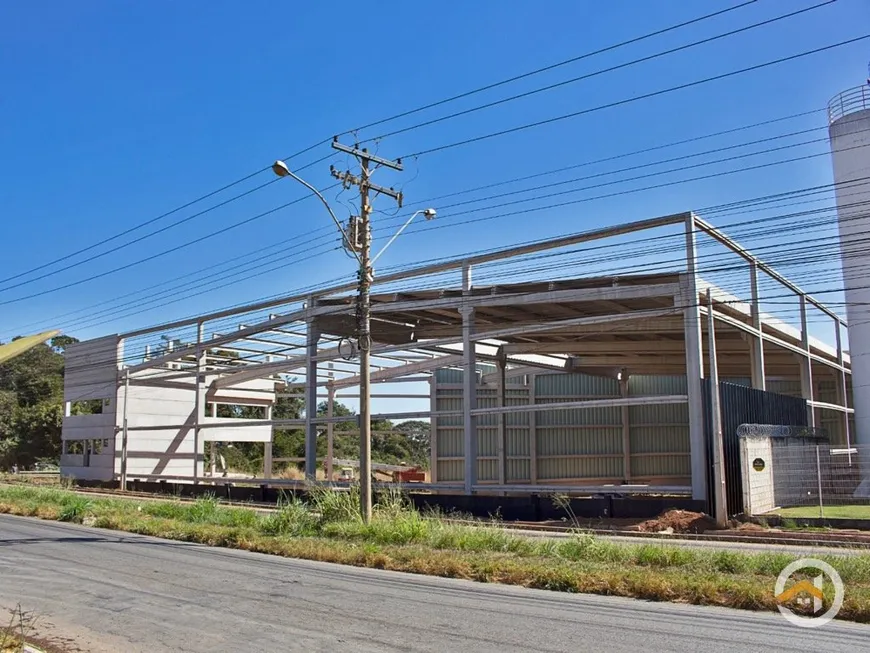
(850, 101)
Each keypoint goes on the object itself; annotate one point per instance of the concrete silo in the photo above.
(849, 130)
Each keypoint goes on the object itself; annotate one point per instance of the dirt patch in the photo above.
(678, 521)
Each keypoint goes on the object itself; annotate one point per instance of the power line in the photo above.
(621, 156)
(547, 68)
(636, 98)
(815, 189)
(248, 220)
(596, 197)
(602, 71)
(157, 255)
(324, 158)
(360, 128)
(766, 219)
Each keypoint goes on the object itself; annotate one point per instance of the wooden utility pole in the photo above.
(361, 242)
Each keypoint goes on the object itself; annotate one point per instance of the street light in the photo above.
(366, 276)
(429, 214)
(280, 168)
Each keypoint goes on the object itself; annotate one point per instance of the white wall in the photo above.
(93, 373)
(170, 451)
(758, 489)
(850, 146)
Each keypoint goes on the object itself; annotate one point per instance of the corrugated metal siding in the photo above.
(576, 444)
(643, 385)
(789, 388)
(518, 470)
(487, 470)
(575, 385)
(574, 441)
(517, 442)
(661, 466)
(568, 469)
(580, 416)
(450, 470)
(659, 439)
(571, 444)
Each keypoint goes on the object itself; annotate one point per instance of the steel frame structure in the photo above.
(541, 326)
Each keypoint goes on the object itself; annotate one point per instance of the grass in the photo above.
(16, 631)
(829, 512)
(403, 539)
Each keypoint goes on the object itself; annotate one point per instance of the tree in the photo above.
(60, 343)
(31, 404)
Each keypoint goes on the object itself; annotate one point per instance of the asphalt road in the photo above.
(109, 591)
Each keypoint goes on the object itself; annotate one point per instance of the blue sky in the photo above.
(116, 112)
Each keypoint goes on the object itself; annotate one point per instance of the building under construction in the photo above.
(564, 379)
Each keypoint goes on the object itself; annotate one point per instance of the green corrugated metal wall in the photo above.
(583, 445)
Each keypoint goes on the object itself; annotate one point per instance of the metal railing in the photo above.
(851, 101)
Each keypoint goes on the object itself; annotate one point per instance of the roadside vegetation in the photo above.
(404, 539)
(15, 632)
(827, 512)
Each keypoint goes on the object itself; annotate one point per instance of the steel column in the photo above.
(533, 434)
(756, 351)
(330, 432)
(807, 389)
(501, 420)
(469, 384)
(694, 366)
(433, 429)
(312, 337)
(626, 427)
(198, 402)
(842, 396)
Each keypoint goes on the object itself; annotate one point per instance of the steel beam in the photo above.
(402, 370)
(734, 246)
(454, 264)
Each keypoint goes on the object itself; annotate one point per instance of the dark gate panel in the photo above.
(743, 405)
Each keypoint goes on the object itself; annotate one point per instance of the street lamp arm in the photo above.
(286, 172)
(430, 213)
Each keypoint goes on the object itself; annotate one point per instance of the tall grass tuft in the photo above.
(292, 518)
(332, 506)
(74, 509)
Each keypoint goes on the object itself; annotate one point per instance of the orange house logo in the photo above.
(809, 593)
(805, 592)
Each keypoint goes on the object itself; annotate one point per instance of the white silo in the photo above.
(849, 130)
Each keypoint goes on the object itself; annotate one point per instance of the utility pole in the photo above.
(361, 238)
(719, 493)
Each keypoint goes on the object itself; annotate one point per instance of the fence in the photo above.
(742, 406)
(827, 481)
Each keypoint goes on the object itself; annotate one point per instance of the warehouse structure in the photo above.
(559, 381)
